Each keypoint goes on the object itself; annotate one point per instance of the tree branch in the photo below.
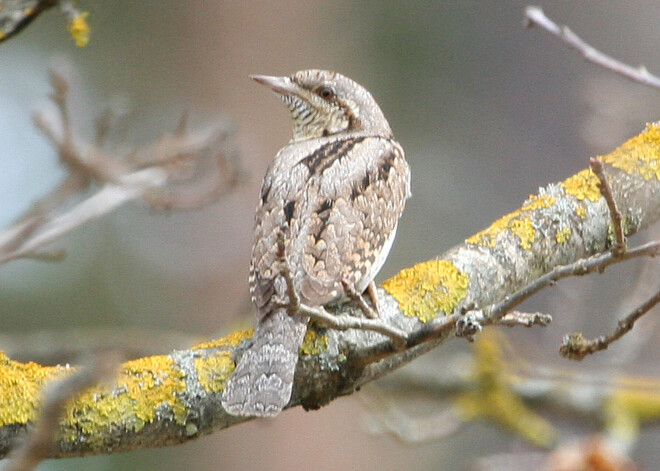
(168, 399)
(535, 17)
(16, 15)
(576, 347)
(164, 173)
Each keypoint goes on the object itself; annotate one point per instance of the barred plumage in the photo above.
(335, 193)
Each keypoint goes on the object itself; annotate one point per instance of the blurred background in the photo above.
(487, 111)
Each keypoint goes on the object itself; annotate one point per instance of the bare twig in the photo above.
(535, 17)
(468, 323)
(358, 300)
(40, 442)
(148, 173)
(15, 15)
(527, 319)
(620, 239)
(576, 347)
(102, 202)
(345, 322)
(597, 263)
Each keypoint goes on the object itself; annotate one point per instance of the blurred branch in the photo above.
(176, 397)
(464, 388)
(16, 15)
(534, 16)
(184, 170)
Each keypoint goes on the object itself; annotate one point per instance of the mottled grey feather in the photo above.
(335, 194)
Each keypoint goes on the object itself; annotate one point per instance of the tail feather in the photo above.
(262, 382)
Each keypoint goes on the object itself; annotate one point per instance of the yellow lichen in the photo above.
(517, 222)
(79, 29)
(230, 340)
(639, 155)
(491, 396)
(21, 385)
(524, 229)
(428, 288)
(563, 235)
(142, 387)
(629, 407)
(581, 212)
(488, 237)
(214, 371)
(583, 185)
(314, 343)
(539, 202)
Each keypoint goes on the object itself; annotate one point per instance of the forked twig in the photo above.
(576, 347)
(596, 263)
(535, 17)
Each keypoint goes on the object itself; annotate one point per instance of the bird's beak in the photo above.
(281, 85)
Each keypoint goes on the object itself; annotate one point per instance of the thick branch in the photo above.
(172, 398)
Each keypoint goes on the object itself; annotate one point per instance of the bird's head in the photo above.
(323, 103)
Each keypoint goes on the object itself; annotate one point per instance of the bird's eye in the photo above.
(326, 92)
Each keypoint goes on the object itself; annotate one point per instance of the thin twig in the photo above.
(576, 347)
(535, 17)
(103, 202)
(358, 300)
(16, 16)
(435, 329)
(597, 263)
(466, 324)
(527, 319)
(123, 178)
(345, 322)
(620, 239)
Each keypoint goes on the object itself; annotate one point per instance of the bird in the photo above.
(332, 198)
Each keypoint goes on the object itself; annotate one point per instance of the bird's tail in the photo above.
(262, 382)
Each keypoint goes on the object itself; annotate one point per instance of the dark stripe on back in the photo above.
(324, 156)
